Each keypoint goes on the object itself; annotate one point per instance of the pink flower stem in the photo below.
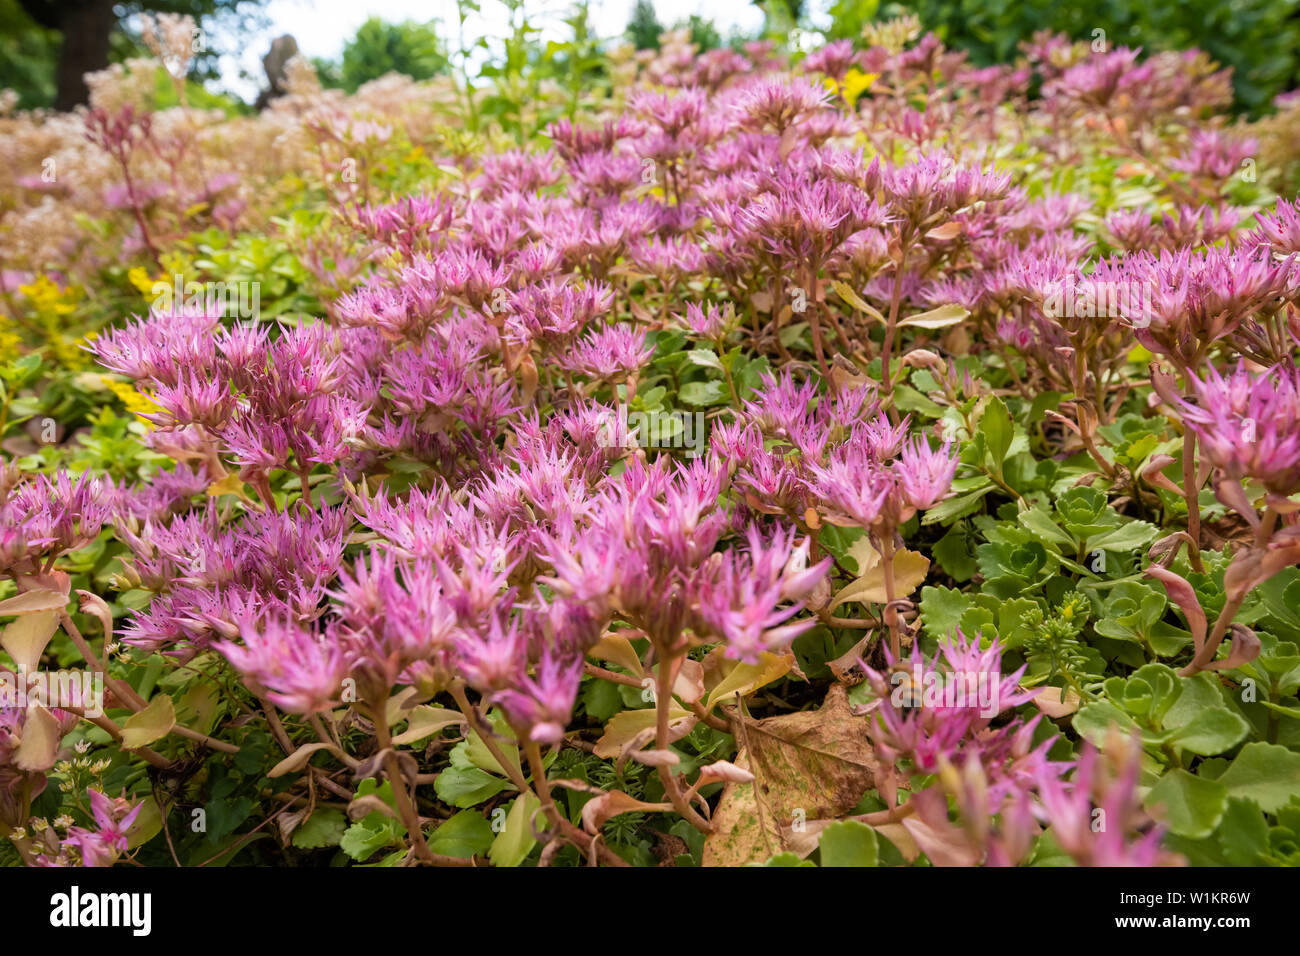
(663, 699)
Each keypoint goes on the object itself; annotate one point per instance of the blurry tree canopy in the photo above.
(643, 27)
(1259, 39)
(54, 43)
(410, 48)
(849, 17)
(28, 53)
(779, 12)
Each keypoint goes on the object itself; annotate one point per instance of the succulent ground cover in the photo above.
(857, 458)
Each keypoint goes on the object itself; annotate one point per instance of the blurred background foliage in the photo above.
(1259, 39)
(644, 28)
(411, 48)
(47, 46)
(28, 53)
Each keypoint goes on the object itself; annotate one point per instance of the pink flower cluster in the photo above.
(942, 745)
(419, 490)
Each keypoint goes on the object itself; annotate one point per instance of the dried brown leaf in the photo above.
(808, 766)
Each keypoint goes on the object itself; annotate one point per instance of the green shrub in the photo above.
(1259, 39)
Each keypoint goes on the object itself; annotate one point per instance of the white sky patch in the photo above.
(322, 27)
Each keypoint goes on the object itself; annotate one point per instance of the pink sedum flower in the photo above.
(1248, 424)
(297, 668)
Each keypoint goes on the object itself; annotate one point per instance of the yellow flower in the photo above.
(855, 84)
(49, 300)
(136, 402)
(9, 341)
(139, 277)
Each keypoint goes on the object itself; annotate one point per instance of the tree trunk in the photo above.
(85, 25)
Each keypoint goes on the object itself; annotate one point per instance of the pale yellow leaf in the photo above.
(150, 724)
(910, 569)
(427, 721)
(31, 602)
(744, 679)
(623, 728)
(25, 639)
(864, 553)
(845, 292)
(232, 484)
(297, 760)
(617, 650)
(940, 318)
(40, 744)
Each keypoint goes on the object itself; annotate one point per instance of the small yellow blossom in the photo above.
(136, 402)
(46, 296)
(139, 277)
(855, 84)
